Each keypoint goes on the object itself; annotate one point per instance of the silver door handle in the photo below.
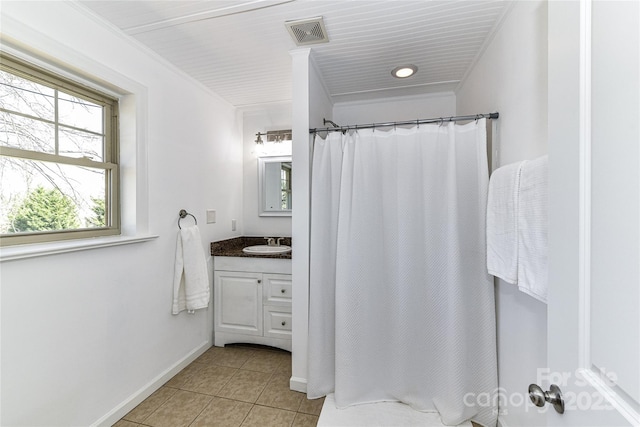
(553, 396)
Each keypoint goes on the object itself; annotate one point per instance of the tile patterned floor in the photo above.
(235, 386)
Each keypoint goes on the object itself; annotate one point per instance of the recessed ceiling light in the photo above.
(404, 71)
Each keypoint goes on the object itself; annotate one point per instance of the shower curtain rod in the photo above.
(337, 128)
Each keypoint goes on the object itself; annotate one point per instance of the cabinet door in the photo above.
(238, 302)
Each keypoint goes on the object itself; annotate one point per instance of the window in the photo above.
(58, 157)
(285, 185)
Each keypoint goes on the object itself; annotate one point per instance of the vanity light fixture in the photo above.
(274, 136)
(404, 71)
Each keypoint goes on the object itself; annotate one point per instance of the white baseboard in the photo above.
(298, 384)
(136, 398)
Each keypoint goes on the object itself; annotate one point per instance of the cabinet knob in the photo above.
(284, 323)
(282, 291)
(259, 281)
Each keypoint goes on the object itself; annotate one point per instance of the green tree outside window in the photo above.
(44, 210)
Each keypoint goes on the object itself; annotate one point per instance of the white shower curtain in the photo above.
(401, 305)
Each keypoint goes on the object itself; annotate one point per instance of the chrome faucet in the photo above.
(278, 240)
(270, 241)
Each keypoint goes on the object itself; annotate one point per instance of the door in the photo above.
(594, 213)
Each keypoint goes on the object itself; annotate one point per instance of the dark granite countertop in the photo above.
(233, 247)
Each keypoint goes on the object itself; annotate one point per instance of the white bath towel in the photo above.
(191, 279)
(502, 225)
(533, 228)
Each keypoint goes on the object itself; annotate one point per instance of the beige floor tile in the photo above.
(278, 395)
(261, 416)
(150, 404)
(285, 365)
(183, 376)
(223, 413)
(311, 407)
(232, 357)
(265, 362)
(179, 410)
(209, 380)
(245, 386)
(305, 420)
(213, 391)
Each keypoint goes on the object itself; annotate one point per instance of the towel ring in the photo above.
(183, 214)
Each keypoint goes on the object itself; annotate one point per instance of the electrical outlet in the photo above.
(211, 216)
(233, 225)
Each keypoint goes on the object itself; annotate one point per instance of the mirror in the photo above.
(274, 186)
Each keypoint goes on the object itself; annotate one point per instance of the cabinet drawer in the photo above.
(277, 289)
(277, 322)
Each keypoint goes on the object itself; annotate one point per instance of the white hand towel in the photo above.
(533, 228)
(191, 279)
(502, 231)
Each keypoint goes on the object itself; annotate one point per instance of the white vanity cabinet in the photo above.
(252, 301)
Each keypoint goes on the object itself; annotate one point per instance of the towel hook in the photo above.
(183, 214)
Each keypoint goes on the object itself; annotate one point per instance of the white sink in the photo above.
(267, 250)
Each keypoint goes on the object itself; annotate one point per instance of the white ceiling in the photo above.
(240, 49)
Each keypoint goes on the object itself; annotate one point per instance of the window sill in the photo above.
(12, 253)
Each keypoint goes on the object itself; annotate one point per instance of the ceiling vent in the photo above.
(307, 31)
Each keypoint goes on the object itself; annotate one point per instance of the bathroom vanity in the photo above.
(252, 296)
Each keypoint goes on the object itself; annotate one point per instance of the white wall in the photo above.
(311, 103)
(86, 335)
(511, 78)
(395, 109)
(262, 119)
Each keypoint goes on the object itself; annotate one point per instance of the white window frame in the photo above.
(109, 164)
